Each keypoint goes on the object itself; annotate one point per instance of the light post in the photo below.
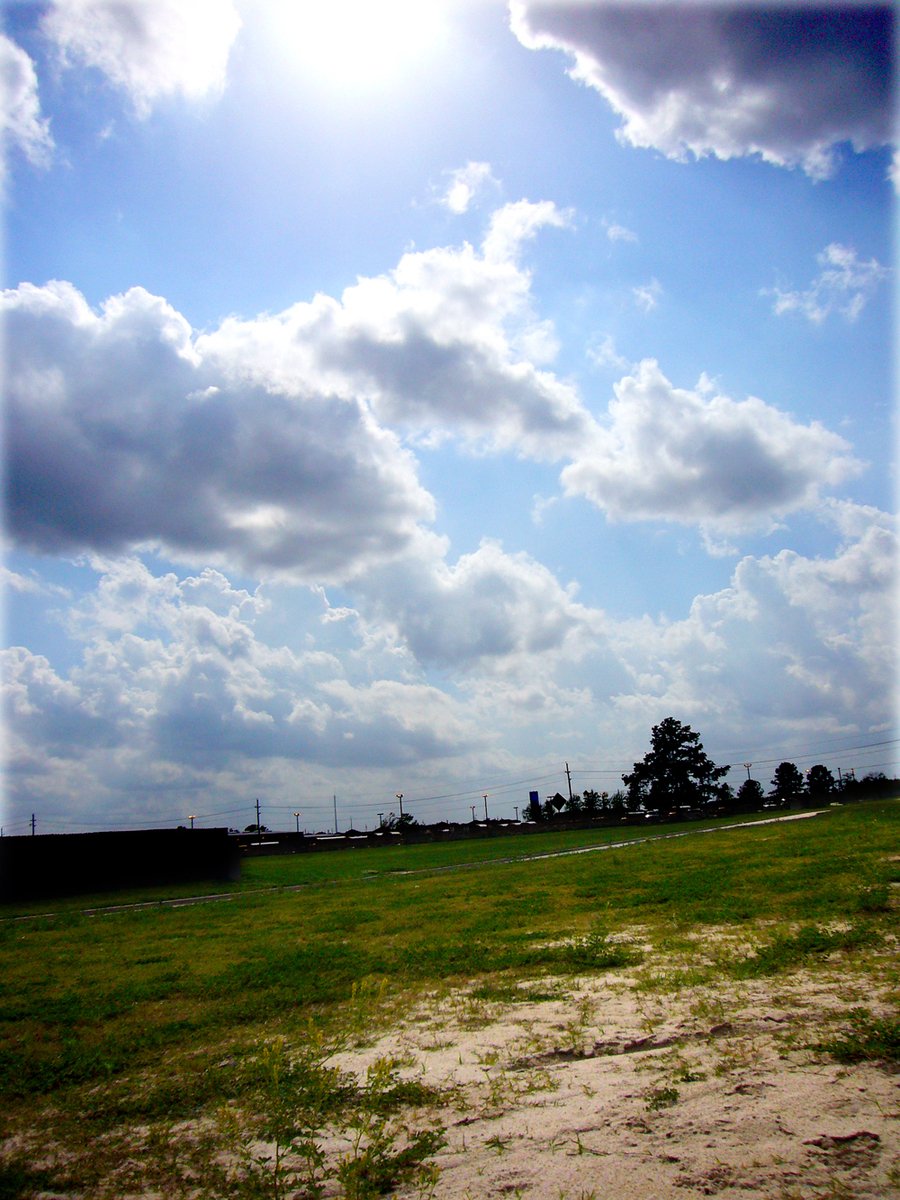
(472, 806)
(381, 820)
(516, 807)
(748, 766)
(485, 806)
(297, 819)
(399, 796)
(192, 818)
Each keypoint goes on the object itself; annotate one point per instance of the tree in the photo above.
(393, 823)
(787, 784)
(750, 796)
(676, 772)
(615, 804)
(819, 782)
(591, 802)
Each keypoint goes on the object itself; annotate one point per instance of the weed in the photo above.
(595, 952)
(867, 1039)
(786, 952)
(18, 1180)
(661, 1097)
(874, 899)
(685, 1073)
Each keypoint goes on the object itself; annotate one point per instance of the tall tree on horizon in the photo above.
(676, 772)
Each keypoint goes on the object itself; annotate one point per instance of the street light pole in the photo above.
(748, 766)
(399, 796)
(485, 806)
(472, 806)
(297, 819)
(192, 818)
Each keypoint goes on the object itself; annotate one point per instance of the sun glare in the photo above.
(358, 43)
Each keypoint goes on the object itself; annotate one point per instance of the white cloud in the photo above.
(121, 432)
(490, 610)
(151, 49)
(172, 669)
(793, 642)
(466, 185)
(268, 442)
(647, 295)
(21, 123)
(787, 83)
(516, 223)
(619, 233)
(603, 353)
(176, 690)
(443, 345)
(691, 456)
(843, 286)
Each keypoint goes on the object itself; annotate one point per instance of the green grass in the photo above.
(865, 1038)
(142, 1018)
(303, 870)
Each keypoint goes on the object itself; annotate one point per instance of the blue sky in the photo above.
(421, 400)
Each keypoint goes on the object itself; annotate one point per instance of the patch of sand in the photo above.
(613, 1091)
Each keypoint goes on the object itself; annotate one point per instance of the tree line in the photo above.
(676, 778)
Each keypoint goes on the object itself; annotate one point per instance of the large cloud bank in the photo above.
(275, 443)
(787, 83)
(176, 685)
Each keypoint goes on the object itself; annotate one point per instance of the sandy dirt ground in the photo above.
(614, 1091)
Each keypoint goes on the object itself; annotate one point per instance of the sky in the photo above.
(423, 399)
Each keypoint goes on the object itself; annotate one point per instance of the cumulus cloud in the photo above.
(787, 83)
(149, 50)
(489, 610)
(119, 433)
(466, 184)
(693, 456)
(792, 641)
(21, 125)
(174, 685)
(273, 443)
(445, 344)
(843, 286)
(172, 671)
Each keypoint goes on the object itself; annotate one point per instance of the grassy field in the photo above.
(118, 1031)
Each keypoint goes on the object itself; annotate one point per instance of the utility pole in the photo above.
(258, 823)
(516, 807)
(569, 777)
(485, 806)
(334, 802)
(381, 820)
(32, 824)
(472, 806)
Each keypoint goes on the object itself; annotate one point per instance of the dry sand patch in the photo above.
(609, 1091)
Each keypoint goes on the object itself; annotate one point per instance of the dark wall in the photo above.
(77, 863)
